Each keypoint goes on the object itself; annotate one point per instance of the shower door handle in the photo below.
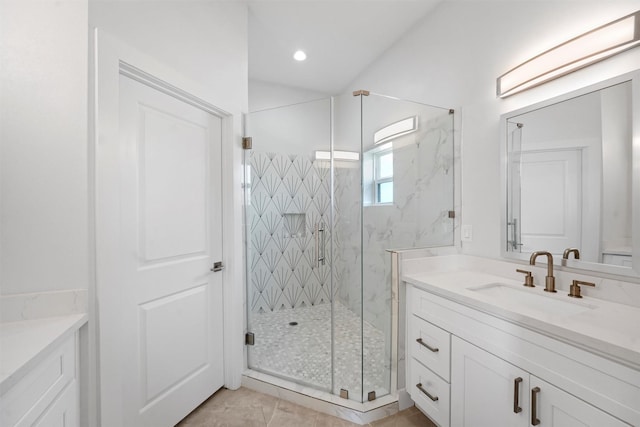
(514, 243)
(320, 243)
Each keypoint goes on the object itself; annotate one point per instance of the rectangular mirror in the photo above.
(571, 178)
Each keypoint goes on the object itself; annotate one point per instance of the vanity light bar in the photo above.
(590, 47)
(338, 155)
(394, 130)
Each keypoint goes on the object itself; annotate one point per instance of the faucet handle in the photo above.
(574, 289)
(528, 279)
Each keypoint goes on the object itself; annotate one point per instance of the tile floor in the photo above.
(247, 408)
(302, 352)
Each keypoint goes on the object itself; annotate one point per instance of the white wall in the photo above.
(617, 169)
(453, 59)
(300, 128)
(44, 153)
(43, 134)
(206, 41)
(264, 95)
(45, 177)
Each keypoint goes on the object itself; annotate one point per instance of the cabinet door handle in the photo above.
(422, 343)
(534, 405)
(433, 398)
(516, 395)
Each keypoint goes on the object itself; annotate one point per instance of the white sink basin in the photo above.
(514, 299)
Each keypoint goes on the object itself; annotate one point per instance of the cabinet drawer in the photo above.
(430, 345)
(424, 381)
(62, 412)
(24, 402)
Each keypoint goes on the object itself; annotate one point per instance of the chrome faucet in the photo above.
(549, 281)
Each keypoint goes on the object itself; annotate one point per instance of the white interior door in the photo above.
(551, 200)
(156, 327)
(170, 235)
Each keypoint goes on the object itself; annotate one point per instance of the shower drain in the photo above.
(293, 323)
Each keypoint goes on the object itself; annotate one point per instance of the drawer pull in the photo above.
(422, 343)
(534, 405)
(516, 395)
(433, 398)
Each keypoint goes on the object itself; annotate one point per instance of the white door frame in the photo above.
(111, 58)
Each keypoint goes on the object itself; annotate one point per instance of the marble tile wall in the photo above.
(423, 195)
(423, 187)
(347, 237)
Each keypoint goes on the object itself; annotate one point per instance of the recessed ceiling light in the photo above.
(299, 55)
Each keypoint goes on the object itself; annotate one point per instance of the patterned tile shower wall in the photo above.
(289, 195)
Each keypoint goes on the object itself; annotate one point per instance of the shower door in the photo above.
(408, 189)
(398, 195)
(288, 216)
(514, 208)
(331, 187)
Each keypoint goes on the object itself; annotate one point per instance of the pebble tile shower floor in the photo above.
(302, 352)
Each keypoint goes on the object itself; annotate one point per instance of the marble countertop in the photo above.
(24, 343)
(606, 328)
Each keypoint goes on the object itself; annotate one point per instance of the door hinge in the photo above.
(371, 396)
(247, 143)
(452, 214)
(249, 338)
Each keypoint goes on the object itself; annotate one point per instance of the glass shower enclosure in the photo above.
(330, 187)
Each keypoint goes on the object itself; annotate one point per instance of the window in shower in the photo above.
(377, 175)
(383, 176)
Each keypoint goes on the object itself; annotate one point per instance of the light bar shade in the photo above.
(395, 130)
(338, 155)
(594, 46)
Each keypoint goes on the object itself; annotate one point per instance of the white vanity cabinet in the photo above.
(487, 391)
(429, 368)
(557, 408)
(63, 412)
(496, 369)
(48, 394)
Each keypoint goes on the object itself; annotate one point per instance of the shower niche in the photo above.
(330, 187)
(294, 225)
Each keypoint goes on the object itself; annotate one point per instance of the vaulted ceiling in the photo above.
(341, 38)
